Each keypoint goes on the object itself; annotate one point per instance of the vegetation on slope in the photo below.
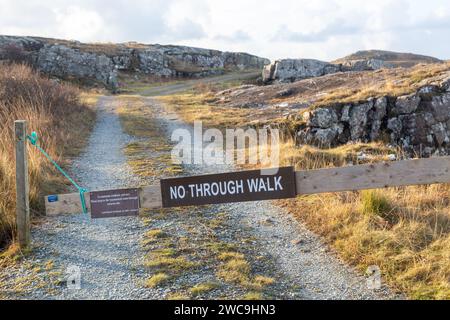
(62, 120)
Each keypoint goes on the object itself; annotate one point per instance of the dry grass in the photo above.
(151, 157)
(192, 107)
(61, 121)
(405, 231)
(156, 280)
(203, 288)
(332, 89)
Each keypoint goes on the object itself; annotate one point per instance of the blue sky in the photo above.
(321, 29)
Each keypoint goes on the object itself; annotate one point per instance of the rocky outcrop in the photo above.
(289, 70)
(67, 63)
(365, 65)
(419, 122)
(101, 62)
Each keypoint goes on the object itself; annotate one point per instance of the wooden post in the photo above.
(22, 188)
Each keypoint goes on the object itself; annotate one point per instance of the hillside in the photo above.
(408, 108)
(396, 59)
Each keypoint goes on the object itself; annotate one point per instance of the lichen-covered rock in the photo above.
(288, 70)
(440, 132)
(66, 63)
(154, 62)
(322, 137)
(358, 120)
(328, 137)
(445, 84)
(321, 117)
(419, 123)
(406, 104)
(92, 62)
(395, 126)
(440, 107)
(366, 65)
(345, 114)
(376, 117)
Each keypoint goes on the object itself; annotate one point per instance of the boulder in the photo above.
(440, 107)
(289, 70)
(328, 137)
(406, 104)
(440, 133)
(358, 120)
(322, 137)
(376, 117)
(321, 117)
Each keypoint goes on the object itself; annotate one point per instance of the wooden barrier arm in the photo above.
(373, 176)
(360, 177)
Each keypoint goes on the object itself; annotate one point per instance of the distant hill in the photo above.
(397, 59)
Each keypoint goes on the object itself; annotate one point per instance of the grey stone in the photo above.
(440, 107)
(445, 84)
(345, 117)
(285, 92)
(358, 120)
(440, 133)
(64, 62)
(366, 65)
(406, 104)
(379, 112)
(428, 89)
(429, 119)
(321, 117)
(327, 137)
(78, 61)
(289, 70)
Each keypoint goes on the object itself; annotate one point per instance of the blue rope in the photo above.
(33, 138)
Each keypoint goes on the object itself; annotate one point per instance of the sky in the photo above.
(319, 29)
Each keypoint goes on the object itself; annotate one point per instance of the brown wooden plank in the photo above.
(373, 176)
(66, 204)
(369, 176)
(151, 197)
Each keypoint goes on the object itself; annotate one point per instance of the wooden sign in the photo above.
(114, 203)
(230, 187)
(359, 177)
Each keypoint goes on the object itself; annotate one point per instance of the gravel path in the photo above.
(299, 254)
(110, 255)
(107, 251)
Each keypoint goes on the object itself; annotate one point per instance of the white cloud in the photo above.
(75, 22)
(322, 29)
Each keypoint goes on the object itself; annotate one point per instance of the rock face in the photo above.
(419, 123)
(65, 63)
(366, 65)
(289, 70)
(100, 62)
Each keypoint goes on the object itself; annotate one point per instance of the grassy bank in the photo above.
(61, 116)
(405, 231)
